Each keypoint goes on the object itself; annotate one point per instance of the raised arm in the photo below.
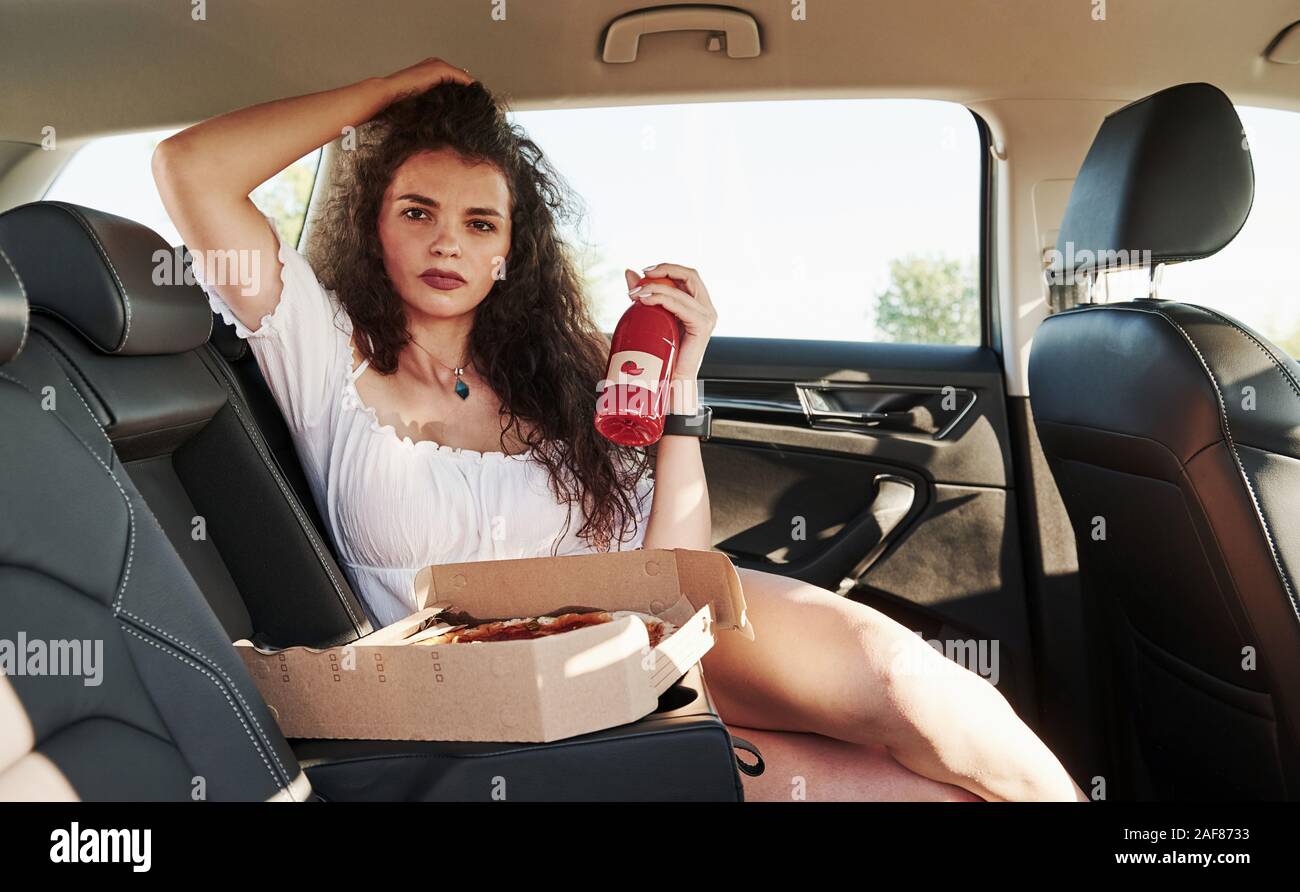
(206, 172)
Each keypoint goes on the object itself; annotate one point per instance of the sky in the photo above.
(791, 211)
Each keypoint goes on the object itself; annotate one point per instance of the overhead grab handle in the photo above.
(733, 29)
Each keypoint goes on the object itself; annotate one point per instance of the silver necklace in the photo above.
(461, 388)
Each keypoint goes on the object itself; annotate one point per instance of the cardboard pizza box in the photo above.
(387, 685)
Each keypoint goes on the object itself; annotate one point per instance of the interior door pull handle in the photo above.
(865, 417)
(893, 501)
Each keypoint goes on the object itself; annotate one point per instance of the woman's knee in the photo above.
(922, 690)
(819, 662)
(929, 697)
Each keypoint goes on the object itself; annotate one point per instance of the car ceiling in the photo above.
(98, 66)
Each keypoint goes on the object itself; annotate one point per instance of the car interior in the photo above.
(1095, 492)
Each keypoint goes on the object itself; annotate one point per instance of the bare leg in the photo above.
(831, 666)
(815, 768)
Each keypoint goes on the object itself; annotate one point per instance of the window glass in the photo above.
(113, 174)
(818, 219)
(852, 220)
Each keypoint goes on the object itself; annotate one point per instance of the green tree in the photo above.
(930, 300)
(285, 196)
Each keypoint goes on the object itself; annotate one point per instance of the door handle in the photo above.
(893, 501)
(753, 404)
(884, 409)
(861, 417)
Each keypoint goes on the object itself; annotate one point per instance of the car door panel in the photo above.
(804, 433)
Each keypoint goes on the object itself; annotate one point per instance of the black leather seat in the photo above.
(149, 700)
(1173, 433)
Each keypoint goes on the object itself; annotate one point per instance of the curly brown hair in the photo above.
(534, 338)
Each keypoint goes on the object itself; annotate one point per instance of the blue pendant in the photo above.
(462, 389)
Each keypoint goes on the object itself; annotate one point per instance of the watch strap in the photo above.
(698, 425)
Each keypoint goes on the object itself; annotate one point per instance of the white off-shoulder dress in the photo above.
(394, 506)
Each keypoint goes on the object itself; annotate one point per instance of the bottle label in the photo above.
(634, 367)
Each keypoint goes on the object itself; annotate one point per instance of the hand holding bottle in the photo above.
(689, 301)
(655, 355)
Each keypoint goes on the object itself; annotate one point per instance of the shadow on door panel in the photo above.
(880, 471)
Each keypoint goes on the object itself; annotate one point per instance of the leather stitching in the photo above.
(49, 311)
(1227, 431)
(75, 389)
(22, 289)
(234, 687)
(212, 678)
(1286, 375)
(121, 592)
(118, 607)
(1224, 424)
(1236, 457)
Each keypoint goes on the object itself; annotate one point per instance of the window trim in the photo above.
(990, 319)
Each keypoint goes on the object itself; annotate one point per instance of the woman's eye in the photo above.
(408, 212)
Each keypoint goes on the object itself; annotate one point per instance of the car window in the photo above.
(852, 220)
(1253, 279)
(113, 174)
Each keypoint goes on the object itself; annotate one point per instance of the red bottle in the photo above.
(634, 396)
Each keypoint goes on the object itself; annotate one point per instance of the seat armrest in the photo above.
(680, 752)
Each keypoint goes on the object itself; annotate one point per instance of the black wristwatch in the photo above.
(698, 425)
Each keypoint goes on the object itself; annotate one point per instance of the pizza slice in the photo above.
(532, 627)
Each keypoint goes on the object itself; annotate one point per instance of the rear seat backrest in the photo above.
(135, 352)
(251, 386)
(162, 707)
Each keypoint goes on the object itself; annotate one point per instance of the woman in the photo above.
(436, 363)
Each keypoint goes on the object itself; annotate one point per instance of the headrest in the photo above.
(116, 282)
(13, 311)
(1168, 178)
